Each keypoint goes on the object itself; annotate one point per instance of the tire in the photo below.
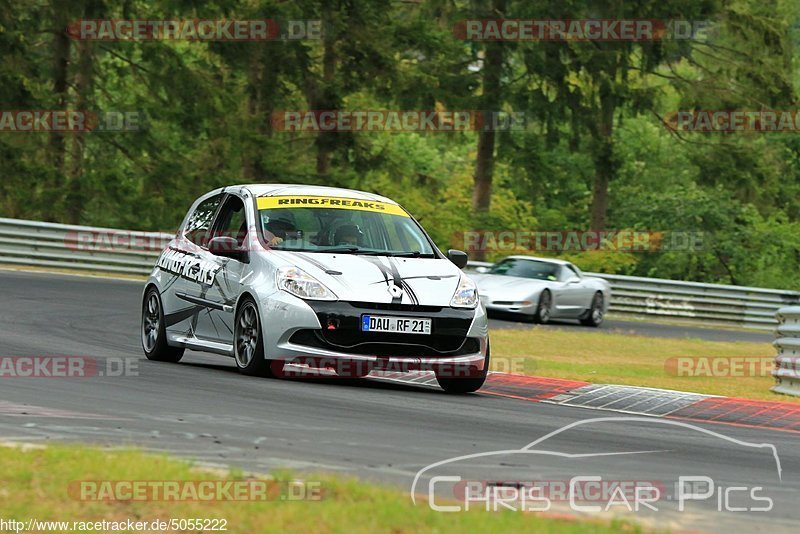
(248, 343)
(467, 384)
(154, 331)
(544, 310)
(594, 315)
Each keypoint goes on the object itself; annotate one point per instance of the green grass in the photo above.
(620, 358)
(34, 484)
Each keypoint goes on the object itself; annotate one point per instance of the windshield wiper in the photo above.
(346, 250)
(414, 254)
(390, 254)
(365, 252)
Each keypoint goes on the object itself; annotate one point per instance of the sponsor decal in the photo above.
(304, 201)
(188, 266)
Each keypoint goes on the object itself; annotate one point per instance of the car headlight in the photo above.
(466, 295)
(301, 284)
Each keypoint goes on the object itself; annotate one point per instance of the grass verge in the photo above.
(35, 481)
(614, 358)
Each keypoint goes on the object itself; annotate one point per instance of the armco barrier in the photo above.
(85, 248)
(750, 307)
(787, 370)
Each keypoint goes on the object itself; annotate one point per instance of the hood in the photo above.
(423, 281)
(513, 288)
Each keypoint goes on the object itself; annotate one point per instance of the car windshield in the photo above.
(359, 230)
(538, 270)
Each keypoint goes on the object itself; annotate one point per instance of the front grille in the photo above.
(387, 346)
(395, 307)
(449, 327)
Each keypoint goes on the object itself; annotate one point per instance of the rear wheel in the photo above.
(544, 310)
(154, 331)
(594, 315)
(450, 381)
(248, 343)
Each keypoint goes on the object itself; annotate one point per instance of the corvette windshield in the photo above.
(538, 270)
(351, 231)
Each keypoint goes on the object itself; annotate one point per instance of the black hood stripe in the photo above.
(413, 296)
(316, 263)
(388, 272)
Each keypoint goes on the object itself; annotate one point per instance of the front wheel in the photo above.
(248, 342)
(154, 331)
(594, 315)
(544, 308)
(450, 380)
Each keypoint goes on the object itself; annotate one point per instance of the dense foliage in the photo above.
(594, 153)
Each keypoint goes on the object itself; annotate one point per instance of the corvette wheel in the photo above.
(248, 344)
(544, 309)
(154, 333)
(594, 316)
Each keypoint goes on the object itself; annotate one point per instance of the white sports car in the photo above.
(276, 274)
(541, 289)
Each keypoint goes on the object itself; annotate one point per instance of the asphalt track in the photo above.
(384, 432)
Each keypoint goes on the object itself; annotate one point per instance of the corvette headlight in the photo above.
(466, 295)
(301, 284)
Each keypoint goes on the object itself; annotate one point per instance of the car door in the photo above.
(181, 264)
(566, 294)
(215, 322)
(577, 294)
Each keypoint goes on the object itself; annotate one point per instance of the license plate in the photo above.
(398, 325)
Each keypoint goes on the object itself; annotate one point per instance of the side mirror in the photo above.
(458, 257)
(482, 270)
(574, 280)
(227, 247)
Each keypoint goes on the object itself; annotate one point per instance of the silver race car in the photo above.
(319, 277)
(541, 289)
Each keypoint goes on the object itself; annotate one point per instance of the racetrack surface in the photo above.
(385, 432)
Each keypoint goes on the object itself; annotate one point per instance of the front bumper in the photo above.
(459, 338)
(511, 306)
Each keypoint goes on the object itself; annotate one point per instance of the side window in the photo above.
(573, 271)
(232, 220)
(199, 221)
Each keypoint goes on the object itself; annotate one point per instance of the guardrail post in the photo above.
(787, 370)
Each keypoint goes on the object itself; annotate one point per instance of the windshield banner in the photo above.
(306, 201)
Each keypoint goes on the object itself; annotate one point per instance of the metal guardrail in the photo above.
(750, 307)
(787, 370)
(85, 248)
(40, 244)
